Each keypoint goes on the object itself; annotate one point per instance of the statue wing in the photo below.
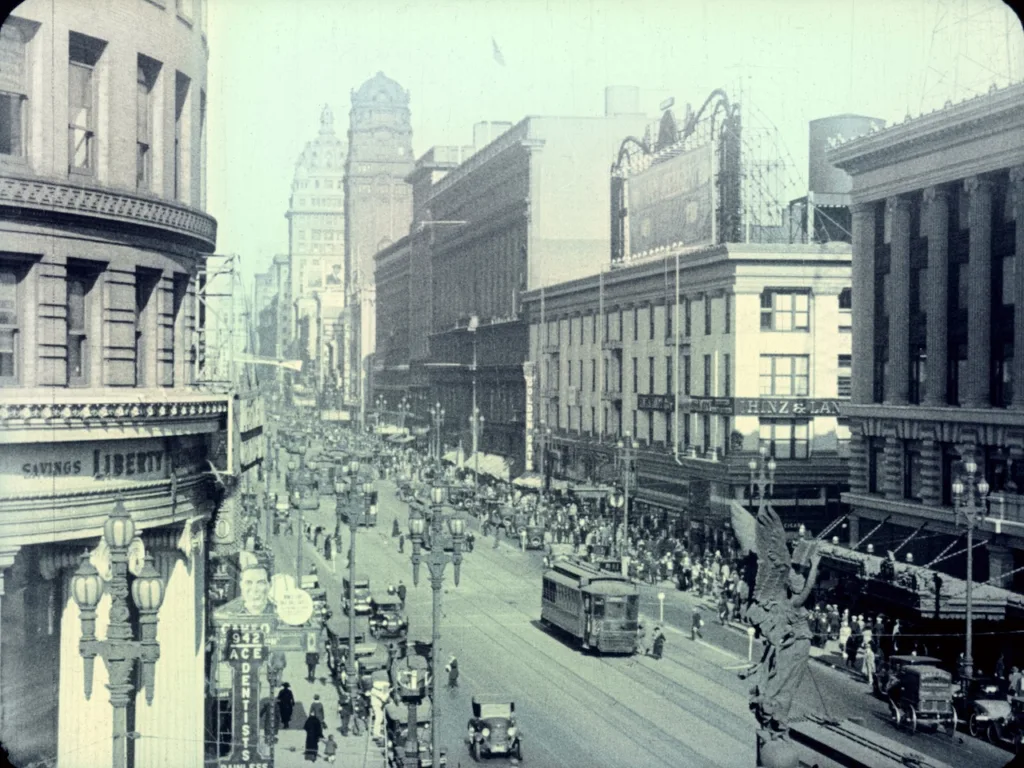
(744, 526)
(773, 561)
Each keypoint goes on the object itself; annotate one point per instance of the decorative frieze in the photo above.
(46, 195)
(108, 412)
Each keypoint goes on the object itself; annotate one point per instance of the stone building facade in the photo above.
(102, 189)
(938, 287)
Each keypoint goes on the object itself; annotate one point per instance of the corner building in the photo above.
(938, 287)
(703, 357)
(102, 189)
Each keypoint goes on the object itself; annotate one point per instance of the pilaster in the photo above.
(1017, 193)
(898, 386)
(893, 468)
(931, 473)
(864, 297)
(936, 213)
(977, 392)
(858, 462)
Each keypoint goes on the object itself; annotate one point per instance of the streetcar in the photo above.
(597, 608)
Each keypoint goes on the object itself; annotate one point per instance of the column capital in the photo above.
(897, 203)
(861, 209)
(978, 185)
(935, 194)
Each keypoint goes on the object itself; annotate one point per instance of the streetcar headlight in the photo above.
(485, 732)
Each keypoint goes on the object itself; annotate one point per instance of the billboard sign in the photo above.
(672, 202)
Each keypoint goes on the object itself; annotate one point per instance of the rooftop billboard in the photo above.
(672, 202)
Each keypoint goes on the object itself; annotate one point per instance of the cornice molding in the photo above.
(112, 412)
(110, 206)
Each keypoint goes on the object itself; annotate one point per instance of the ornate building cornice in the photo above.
(110, 206)
(112, 412)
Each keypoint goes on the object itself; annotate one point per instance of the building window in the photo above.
(686, 430)
(707, 375)
(622, 321)
(145, 284)
(607, 325)
(13, 91)
(650, 428)
(582, 331)
(784, 375)
(912, 465)
(181, 89)
(687, 375)
(918, 374)
(668, 376)
(687, 318)
(593, 375)
(79, 287)
(580, 380)
(707, 315)
(650, 321)
(670, 310)
(83, 57)
(636, 324)
(705, 421)
(569, 366)
(782, 311)
(728, 313)
(785, 439)
(10, 341)
(146, 75)
(846, 310)
(650, 375)
(844, 386)
(618, 370)
(636, 378)
(876, 464)
(593, 420)
(727, 374)
(593, 328)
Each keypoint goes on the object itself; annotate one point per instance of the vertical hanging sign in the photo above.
(529, 373)
(245, 649)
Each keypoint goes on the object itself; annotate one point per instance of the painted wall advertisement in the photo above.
(251, 439)
(67, 466)
(672, 202)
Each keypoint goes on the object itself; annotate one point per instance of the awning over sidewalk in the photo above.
(401, 439)
(534, 481)
(489, 464)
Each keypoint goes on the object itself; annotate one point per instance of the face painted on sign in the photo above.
(255, 587)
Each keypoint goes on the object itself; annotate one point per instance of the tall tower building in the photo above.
(316, 241)
(379, 201)
(378, 208)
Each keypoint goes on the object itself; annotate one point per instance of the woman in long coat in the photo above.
(314, 732)
(285, 704)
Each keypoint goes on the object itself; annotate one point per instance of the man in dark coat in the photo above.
(312, 660)
(401, 589)
(285, 704)
(314, 732)
(317, 709)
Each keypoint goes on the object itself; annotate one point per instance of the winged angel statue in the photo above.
(781, 586)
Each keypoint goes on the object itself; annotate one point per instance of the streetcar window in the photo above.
(549, 591)
(616, 609)
(632, 609)
(598, 607)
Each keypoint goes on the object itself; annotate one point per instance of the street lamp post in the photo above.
(120, 650)
(436, 558)
(380, 404)
(403, 411)
(353, 527)
(627, 461)
(437, 415)
(762, 475)
(969, 494)
(476, 421)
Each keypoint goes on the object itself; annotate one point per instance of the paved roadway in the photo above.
(689, 708)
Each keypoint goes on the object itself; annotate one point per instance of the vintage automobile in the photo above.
(889, 674)
(396, 729)
(492, 730)
(535, 537)
(981, 701)
(400, 666)
(387, 619)
(1009, 731)
(923, 698)
(372, 657)
(360, 595)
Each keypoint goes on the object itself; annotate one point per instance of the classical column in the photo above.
(979, 294)
(897, 387)
(864, 301)
(1017, 192)
(936, 213)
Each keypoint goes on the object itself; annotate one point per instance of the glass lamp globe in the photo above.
(86, 585)
(437, 494)
(119, 530)
(148, 587)
(970, 466)
(983, 488)
(416, 523)
(456, 525)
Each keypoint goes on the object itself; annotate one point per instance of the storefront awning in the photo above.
(401, 439)
(488, 464)
(534, 481)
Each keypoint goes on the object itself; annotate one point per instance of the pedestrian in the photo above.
(868, 667)
(285, 704)
(698, 623)
(1015, 681)
(330, 749)
(1001, 666)
(312, 660)
(395, 529)
(314, 732)
(851, 651)
(317, 709)
(453, 672)
(401, 592)
(658, 646)
(401, 543)
(345, 712)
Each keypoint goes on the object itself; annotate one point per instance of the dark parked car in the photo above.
(492, 729)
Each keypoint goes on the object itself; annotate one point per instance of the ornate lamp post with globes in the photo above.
(437, 416)
(353, 527)
(762, 475)
(437, 557)
(969, 494)
(476, 422)
(120, 649)
(626, 455)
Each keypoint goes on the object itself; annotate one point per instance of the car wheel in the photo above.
(911, 719)
(953, 723)
(973, 726)
(992, 734)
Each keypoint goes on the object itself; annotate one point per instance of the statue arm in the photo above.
(812, 576)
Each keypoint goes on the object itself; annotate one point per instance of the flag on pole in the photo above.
(497, 53)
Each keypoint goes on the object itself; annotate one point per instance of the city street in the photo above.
(689, 708)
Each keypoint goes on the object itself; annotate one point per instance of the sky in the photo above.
(275, 63)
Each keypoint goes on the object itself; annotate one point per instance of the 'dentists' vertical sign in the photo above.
(245, 649)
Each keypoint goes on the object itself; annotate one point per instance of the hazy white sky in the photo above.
(274, 63)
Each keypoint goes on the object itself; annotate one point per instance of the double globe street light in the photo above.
(436, 558)
(969, 500)
(120, 650)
